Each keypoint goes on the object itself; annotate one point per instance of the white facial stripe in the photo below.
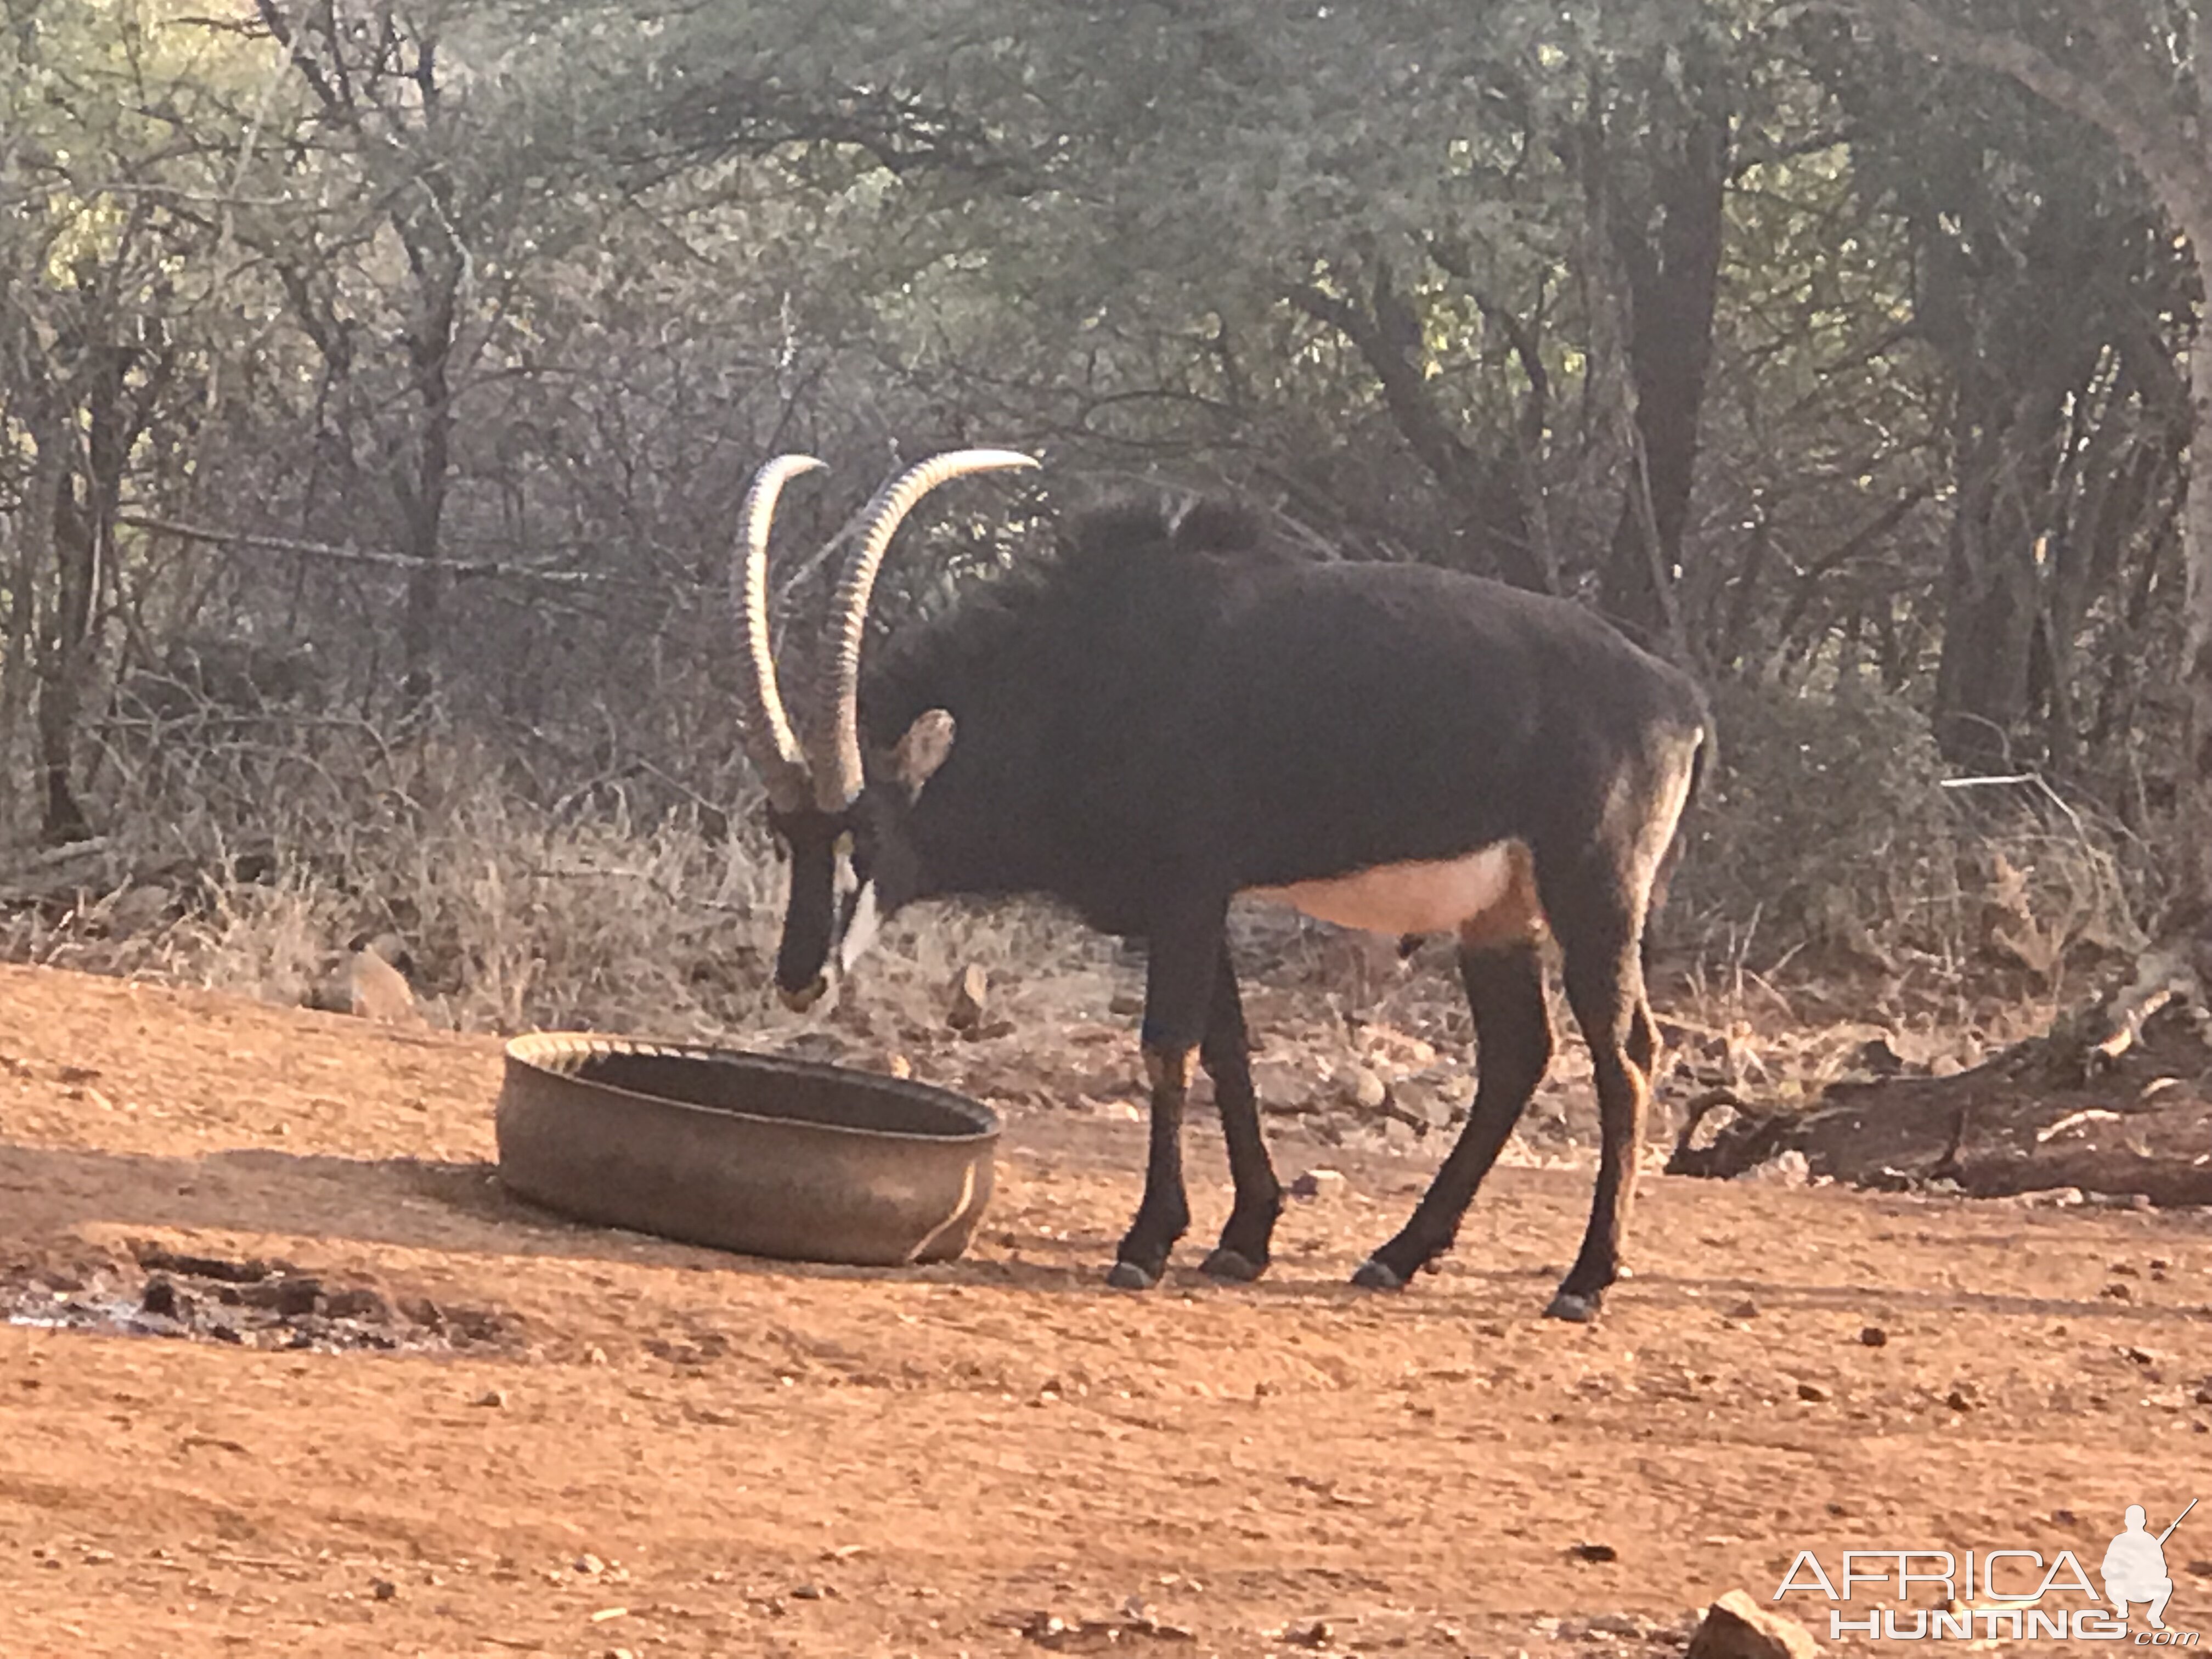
(859, 930)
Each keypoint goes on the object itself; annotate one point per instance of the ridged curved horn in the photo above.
(836, 760)
(762, 721)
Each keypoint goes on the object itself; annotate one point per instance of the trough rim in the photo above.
(540, 1051)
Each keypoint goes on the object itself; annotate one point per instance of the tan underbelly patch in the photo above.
(1487, 895)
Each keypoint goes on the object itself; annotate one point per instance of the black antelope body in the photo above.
(1170, 712)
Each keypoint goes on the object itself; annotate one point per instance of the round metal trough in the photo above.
(746, 1152)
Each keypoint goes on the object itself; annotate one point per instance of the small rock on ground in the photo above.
(1737, 1627)
(1363, 1088)
(379, 991)
(971, 995)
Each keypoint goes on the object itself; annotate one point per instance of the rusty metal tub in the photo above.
(742, 1151)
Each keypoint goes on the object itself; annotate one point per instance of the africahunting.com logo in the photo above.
(2010, 1595)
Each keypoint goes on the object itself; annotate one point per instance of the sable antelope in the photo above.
(1170, 712)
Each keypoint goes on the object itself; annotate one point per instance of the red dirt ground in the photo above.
(665, 1451)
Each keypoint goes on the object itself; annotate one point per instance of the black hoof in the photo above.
(1374, 1276)
(1578, 1310)
(1232, 1265)
(1129, 1276)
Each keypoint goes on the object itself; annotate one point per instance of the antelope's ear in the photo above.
(917, 755)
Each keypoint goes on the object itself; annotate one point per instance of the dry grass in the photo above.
(1834, 897)
(604, 909)
(1831, 840)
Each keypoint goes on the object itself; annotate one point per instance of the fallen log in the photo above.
(2116, 1100)
(57, 880)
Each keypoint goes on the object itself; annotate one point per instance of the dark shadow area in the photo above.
(461, 1208)
(1659, 1290)
(415, 1204)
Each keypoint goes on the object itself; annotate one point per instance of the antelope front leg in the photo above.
(1226, 1054)
(1178, 987)
(1164, 1215)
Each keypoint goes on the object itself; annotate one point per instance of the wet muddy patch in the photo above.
(251, 1302)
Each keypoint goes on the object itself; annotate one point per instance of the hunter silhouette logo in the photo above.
(2135, 1566)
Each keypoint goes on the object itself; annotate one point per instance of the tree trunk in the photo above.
(64, 653)
(84, 556)
(1670, 248)
(2193, 832)
(1990, 605)
(423, 491)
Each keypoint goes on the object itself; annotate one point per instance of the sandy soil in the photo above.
(620, 1446)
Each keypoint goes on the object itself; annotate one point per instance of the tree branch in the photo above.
(1442, 451)
(2141, 119)
(482, 568)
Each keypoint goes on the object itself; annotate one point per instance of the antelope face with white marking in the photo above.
(838, 815)
(853, 870)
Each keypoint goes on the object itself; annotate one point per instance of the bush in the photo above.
(1826, 824)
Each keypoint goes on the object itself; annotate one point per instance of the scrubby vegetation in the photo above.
(378, 383)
